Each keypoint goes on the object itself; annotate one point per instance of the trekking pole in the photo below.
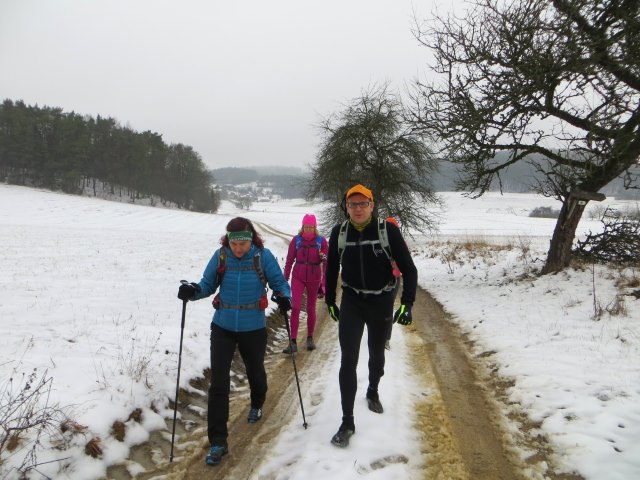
(175, 403)
(295, 369)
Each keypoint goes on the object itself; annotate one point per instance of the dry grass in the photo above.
(617, 306)
(93, 447)
(624, 279)
(118, 430)
(628, 278)
(27, 418)
(72, 426)
(136, 415)
(13, 442)
(475, 249)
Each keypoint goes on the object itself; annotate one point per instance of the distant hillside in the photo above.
(287, 185)
(234, 176)
(279, 169)
(519, 178)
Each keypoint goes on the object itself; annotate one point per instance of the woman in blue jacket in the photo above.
(242, 268)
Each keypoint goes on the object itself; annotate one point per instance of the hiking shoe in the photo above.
(255, 414)
(214, 457)
(341, 438)
(373, 400)
(387, 345)
(310, 344)
(292, 348)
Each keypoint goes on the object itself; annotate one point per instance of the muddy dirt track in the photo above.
(465, 435)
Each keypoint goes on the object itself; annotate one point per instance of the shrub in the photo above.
(544, 212)
(25, 418)
(618, 243)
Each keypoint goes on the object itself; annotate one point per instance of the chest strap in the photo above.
(244, 306)
(361, 291)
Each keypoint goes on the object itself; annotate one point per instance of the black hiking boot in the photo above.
(373, 401)
(310, 344)
(292, 348)
(255, 414)
(341, 438)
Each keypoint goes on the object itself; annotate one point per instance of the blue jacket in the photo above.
(240, 286)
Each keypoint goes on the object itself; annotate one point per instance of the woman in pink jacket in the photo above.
(307, 255)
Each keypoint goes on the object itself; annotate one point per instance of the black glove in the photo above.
(284, 303)
(334, 311)
(186, 290)
(403, 315)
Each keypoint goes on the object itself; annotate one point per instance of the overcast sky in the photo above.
(242, 82)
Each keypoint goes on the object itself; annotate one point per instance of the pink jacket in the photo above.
(309, 263)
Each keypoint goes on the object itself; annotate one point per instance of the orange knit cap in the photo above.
(360, 189)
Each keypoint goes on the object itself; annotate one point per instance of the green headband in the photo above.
(240, 236)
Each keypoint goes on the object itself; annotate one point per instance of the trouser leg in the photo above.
(312, 299)
(377, 321)
(252, 347)
(350, 329)
(297, 288)
(223, 346)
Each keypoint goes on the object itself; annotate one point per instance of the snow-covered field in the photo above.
(88, 303)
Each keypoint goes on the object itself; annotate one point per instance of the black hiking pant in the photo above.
(356, 311)
(252, 347)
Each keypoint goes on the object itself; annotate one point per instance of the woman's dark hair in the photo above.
(240, 224)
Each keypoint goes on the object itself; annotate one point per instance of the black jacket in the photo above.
(366, 267)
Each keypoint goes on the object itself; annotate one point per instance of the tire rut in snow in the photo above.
(490, 442)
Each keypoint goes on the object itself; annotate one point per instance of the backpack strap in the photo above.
(318, 246)
(261, 304)
(342, 238)
(257, 266)
(387, 288)
(222, 267)
(383, 239)
(383, 236)
(318, 242)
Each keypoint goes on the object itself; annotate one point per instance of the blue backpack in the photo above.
(318, 242)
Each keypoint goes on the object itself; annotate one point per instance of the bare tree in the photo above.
(245, 202)
(370, 142)
(552, 82)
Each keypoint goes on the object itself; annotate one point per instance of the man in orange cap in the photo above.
(367, 297)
